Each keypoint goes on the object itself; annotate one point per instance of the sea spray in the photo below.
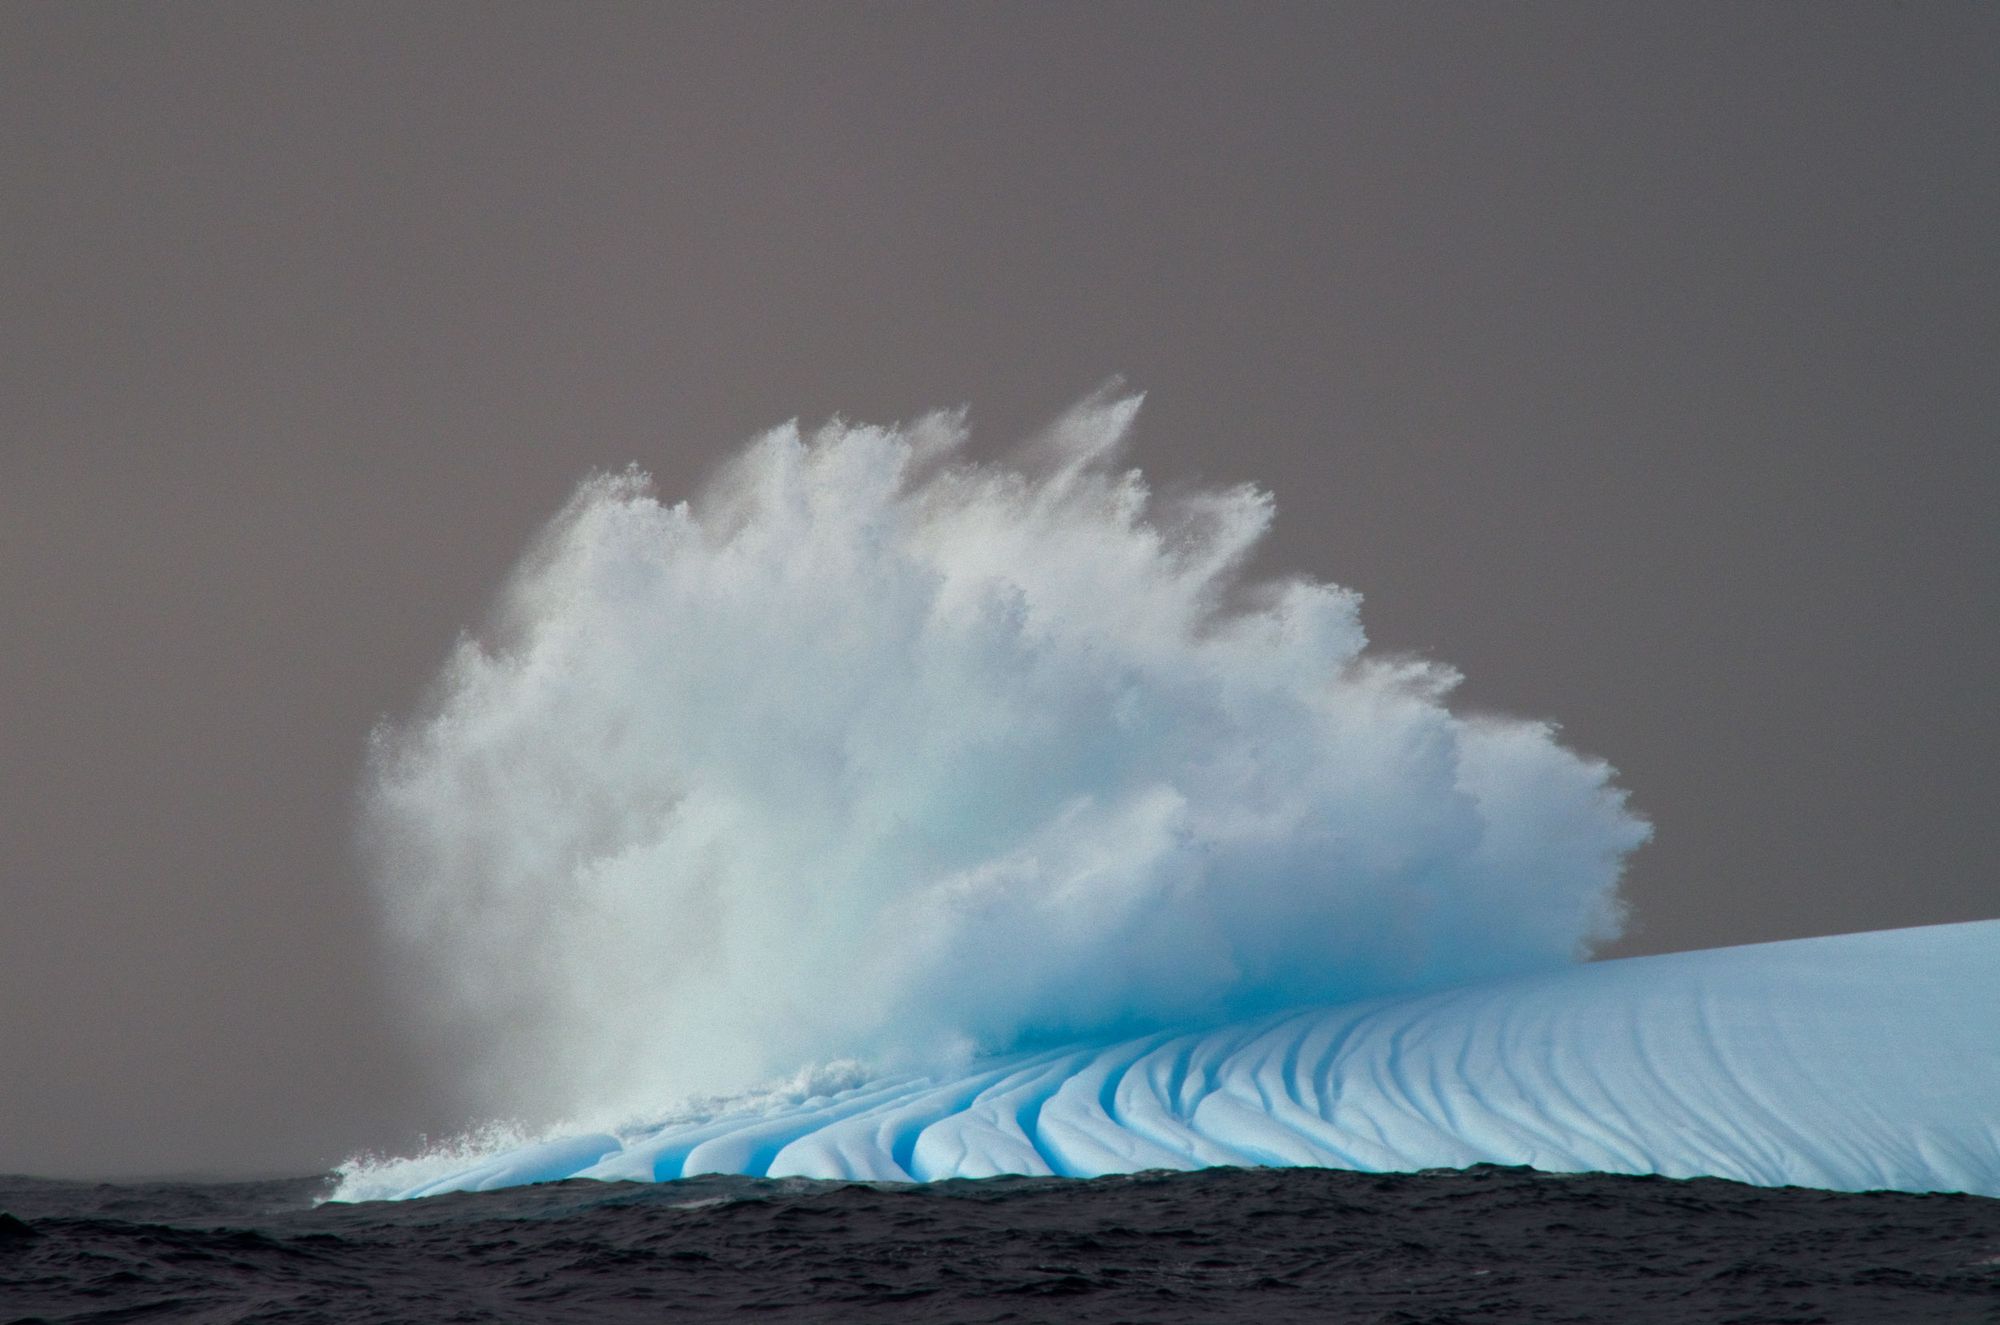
(874, 751)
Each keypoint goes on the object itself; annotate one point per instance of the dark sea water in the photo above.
(1485, 1244)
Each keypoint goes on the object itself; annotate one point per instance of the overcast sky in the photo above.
(1642, 361)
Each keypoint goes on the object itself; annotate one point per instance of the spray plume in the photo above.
(874, 752)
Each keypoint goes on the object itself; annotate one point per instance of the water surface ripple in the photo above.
(1483, 1244)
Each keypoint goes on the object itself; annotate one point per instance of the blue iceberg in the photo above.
(1857, 1062)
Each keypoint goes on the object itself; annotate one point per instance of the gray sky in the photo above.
(1643, 361)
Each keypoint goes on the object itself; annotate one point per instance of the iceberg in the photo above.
(1855, 1062)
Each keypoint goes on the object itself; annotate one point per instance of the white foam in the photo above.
(873, 751)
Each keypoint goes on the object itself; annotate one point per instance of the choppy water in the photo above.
(1485, 1244)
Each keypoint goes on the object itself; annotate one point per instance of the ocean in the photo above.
(1298, 1244)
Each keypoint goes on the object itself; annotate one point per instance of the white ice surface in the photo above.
(1857, 1062)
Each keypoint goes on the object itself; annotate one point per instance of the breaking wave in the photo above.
(875, 752)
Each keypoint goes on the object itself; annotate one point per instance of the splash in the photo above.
(876, 752)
